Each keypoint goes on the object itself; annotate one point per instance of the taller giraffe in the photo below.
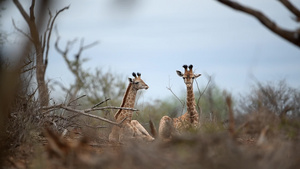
(167, 124)
(129, 128)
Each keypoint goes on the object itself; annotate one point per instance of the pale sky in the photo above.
(157, 37)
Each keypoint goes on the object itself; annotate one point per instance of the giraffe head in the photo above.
(137, 82)
(188, 75)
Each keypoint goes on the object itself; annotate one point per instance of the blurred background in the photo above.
(60, 58)
(157, 37)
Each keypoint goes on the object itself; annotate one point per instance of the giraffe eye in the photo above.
(193, 77)
(136, 82)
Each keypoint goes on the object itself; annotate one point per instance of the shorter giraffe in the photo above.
(130, 129)
(191, 117)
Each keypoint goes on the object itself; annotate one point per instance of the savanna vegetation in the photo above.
(258, 130)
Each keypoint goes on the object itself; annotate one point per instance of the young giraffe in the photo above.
(167, 124)
(130, 129)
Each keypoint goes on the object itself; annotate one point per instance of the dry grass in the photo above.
(214, 148)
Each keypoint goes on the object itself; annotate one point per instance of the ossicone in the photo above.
(133, 74)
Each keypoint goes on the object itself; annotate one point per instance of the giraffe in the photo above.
(130, 129)
(191, 117)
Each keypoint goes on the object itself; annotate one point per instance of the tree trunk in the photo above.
(40, 65)
(40, 77)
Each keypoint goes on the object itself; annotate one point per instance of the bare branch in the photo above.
(175, 96)
(26, 64)
(91, 115)
(23, 33)
(110, 107)
(57, 48)
(76, 99)
(47, 29)
(81, 112)
(82, 47)
(85, 112)
(22, 11)
(65, 52)
(170, 89)
(50, 31)
(31, 95)
(26, 70)
(32, 17)
(201, 93)
(30, 21)
(74, 65)
(96, 105)
(290, 36)
(291, 7)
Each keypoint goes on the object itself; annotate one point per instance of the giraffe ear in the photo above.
(130, 80)
(196, 75)
(179, 73)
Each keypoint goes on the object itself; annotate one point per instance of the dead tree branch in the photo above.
(75, 66)
(83, 47)
(85, 112)
(170, 89)
(291, 36)
(76, 99)
(201, 93)
(22, 32)
(39, 41)
(98, 104)
(50, 30)
(26, 70)
(291, 7)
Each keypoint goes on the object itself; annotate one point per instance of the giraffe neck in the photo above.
(128, 101)
(191, 105)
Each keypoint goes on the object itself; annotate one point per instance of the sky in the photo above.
(157, 37)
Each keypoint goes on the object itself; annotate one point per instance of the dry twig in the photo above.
(98, 104)
(85, 112)
(201, 93)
